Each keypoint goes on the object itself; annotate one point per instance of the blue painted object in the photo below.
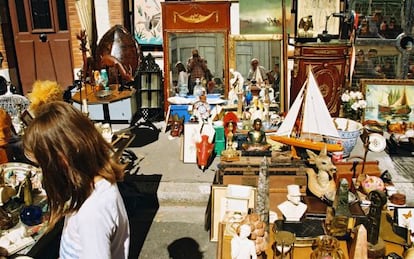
(181, 110)
(31, 215)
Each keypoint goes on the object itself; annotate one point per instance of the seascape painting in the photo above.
(389, 100)
(264, 17)
(147, 22)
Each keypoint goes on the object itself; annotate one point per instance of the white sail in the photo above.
(316, 117)
(289, 122)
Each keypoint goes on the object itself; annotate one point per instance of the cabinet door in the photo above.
(330, 78)
(330, 75)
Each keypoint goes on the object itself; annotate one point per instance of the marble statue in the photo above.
(241, 246)
(293, 209)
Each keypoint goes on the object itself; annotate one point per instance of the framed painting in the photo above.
(376, 59)
(148, 22)
(265, 17)
(220, 204)
(404, 217)
(320, 13)
(388, 100)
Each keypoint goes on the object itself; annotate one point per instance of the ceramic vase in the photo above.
(349, 131)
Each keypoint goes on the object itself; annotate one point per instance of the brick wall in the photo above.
(116, 17)
(75, 27)
(115, 12)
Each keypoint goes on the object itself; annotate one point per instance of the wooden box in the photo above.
(344, 170)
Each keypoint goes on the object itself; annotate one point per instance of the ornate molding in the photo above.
(325, 52)
(195, 17)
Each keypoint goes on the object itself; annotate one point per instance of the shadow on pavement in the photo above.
(140, 197)
(185, 248)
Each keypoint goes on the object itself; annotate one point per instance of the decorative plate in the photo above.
(377, 142)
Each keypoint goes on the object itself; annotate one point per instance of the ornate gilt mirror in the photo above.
(266, 48)
(210, 46)
(203, 26)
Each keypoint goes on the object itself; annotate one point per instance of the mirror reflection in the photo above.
(196, 59)
(259, 61)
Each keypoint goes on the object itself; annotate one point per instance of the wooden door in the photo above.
(42, 41)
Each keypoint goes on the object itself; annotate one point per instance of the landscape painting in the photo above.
(264, 17)
(389, 100)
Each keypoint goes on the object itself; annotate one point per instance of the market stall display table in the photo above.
(91, 95)
(224, 246)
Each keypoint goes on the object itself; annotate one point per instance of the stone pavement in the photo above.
(171, 213)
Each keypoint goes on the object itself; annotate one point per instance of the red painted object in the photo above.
(204, 152)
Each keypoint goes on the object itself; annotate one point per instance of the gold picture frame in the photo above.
(388, 100)
(218, 196)
(267, 48)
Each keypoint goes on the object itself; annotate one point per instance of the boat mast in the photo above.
(301, 114)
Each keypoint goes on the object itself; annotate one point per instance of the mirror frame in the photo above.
(233, 39)
(194, 17)
(167, 65)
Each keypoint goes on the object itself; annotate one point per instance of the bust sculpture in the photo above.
(241, 246)
(256, 138)
(293, 209)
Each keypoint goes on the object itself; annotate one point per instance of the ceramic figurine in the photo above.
(241, 246)
(230, 153)
(259, 234)
(322, 182)
(199, 90)
(236, 87)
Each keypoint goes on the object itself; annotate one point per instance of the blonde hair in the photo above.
(44, 92)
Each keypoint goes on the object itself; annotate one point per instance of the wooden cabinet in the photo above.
(330, 64)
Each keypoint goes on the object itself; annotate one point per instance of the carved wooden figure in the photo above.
(376, 247)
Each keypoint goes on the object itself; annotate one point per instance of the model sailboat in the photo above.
(315, 120)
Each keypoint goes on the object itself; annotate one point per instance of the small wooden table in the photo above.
(87, 92)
